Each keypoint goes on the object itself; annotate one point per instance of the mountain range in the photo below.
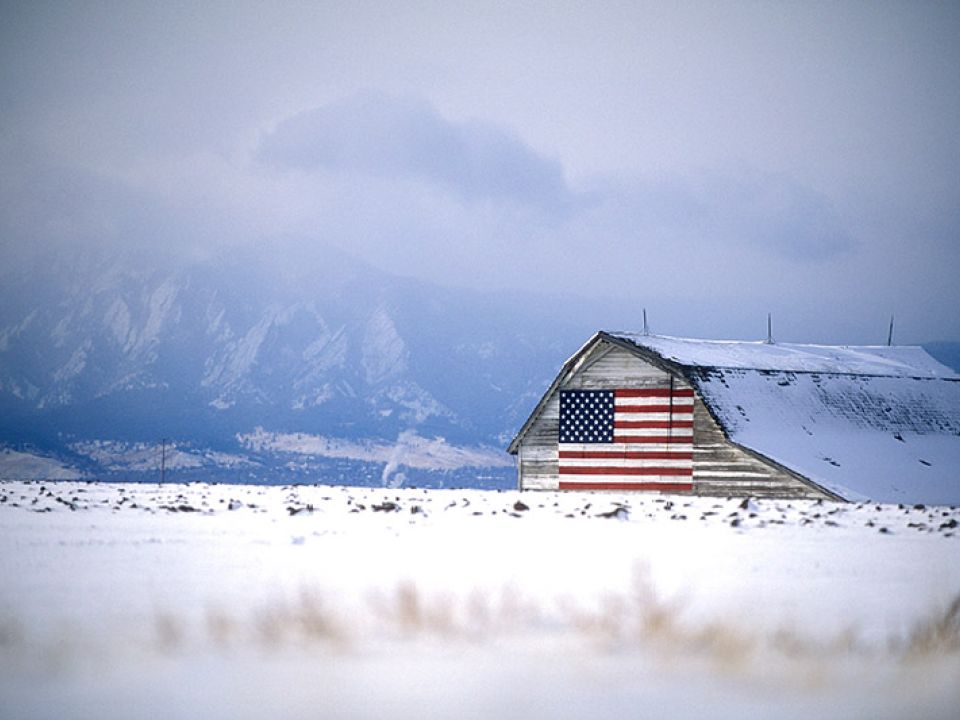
(249, 366)
(252, 366)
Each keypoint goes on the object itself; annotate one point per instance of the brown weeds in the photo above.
(168, 632)
(639, 619)
(938, 635)
(305, 621)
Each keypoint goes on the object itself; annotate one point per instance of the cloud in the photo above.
(772, 218)
(779, 215)
(405, 137)
(410, 450)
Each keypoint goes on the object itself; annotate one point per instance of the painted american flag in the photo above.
(629, 439)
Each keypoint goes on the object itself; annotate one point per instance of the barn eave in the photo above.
(514, 447)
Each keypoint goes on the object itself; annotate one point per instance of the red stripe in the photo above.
(652, 424)
(652, 439)
(653, 392)
(654, 408)
(624, 455)
(664, 487)
(679, 471)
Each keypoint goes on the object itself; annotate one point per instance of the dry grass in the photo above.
(937, 635)
(169, 633)
(409, 612)
(302, 621)
(637, 620)
(643, 619)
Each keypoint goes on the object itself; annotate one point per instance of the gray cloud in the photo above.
(778, 214)
(393, 136)
(719, 160)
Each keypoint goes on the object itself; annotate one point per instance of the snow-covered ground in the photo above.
(15, 464)
(183, 601)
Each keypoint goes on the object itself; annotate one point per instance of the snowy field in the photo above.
(220, 601)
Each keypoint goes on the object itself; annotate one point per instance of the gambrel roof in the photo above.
(880, 423)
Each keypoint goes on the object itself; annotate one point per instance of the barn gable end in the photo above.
(599, 363)
(720, 467)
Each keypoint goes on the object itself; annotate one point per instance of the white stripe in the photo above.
(652, 432)
(621, 462)
(661, 416)
(677, 401)
(628, 447)
(654, 443)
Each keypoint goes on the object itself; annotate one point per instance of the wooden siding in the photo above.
(605, 366)
(537, 458)
(614, 367)
(720, 468)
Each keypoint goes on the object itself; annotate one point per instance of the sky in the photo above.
(710, 161)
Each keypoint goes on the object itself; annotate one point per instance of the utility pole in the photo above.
(163, 460)
(890, 332)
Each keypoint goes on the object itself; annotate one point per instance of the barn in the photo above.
(640, 412)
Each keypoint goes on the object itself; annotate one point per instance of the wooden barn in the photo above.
(632, 411)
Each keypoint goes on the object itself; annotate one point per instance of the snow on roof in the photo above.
(889, 439)
(890, 361)
(876, 422)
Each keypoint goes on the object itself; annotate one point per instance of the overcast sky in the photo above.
(710, 161)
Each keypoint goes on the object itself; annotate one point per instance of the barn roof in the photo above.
(880, 423)
(888, 361)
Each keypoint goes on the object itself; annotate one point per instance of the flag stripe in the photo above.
(658, 439)
(656, 417)
(653, 392)
(650, 432)
(622, 470)
(626, 485)
(676, 402)
(651, 408)
(612, 466)
(651, 424)
(625, 455)
(659, 444)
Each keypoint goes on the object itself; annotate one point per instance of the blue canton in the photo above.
(586, 416)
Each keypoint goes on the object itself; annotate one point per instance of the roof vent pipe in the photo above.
(769, 340)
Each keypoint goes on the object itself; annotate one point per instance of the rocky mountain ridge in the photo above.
(206, 352)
